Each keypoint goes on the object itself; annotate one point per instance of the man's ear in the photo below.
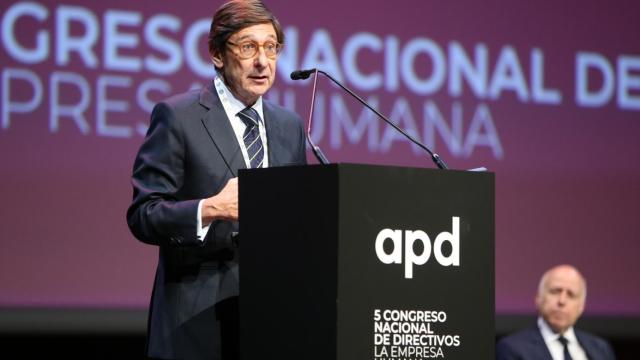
(216, 58)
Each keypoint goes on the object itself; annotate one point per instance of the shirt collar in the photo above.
(548, 335)
(230, 101)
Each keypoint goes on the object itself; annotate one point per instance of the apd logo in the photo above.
(410, 237)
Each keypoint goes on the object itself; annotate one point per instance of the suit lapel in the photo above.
(537, 341)
(584, 343)
(274, 133)
(220, 131)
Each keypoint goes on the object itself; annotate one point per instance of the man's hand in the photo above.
(222, 206)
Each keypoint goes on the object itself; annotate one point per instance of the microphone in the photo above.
(304, 74)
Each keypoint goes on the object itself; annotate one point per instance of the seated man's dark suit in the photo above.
(189, 154)
(529, 344)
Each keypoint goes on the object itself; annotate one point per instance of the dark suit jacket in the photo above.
(189, 153)
(528, 344)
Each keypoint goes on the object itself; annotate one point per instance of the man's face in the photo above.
(249, 78)
(561, 298)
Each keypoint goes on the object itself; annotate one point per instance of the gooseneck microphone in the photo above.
(304, 74)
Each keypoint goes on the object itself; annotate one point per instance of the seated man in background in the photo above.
(560, 301)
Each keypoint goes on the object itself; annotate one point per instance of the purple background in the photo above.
(567, 184)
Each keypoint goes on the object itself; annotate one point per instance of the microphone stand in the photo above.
(315, 148)
(304, 74)
(435, 157)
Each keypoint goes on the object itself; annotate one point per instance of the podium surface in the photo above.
(352, 262)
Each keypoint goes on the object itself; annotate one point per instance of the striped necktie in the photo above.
(251, 137)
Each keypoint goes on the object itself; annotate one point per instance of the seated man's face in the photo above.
(249, 78)
(561, 298)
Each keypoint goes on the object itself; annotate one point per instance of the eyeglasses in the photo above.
(249, 49)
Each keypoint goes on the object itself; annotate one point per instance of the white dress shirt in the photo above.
(232, 106)
(555, 346)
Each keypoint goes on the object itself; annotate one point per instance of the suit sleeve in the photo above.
(607, 350)
(157, 215)
(504, 351)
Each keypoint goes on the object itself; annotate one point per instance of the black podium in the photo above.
(351, 262)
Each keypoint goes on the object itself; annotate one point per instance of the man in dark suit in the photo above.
(560, 301)
(185, 194)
